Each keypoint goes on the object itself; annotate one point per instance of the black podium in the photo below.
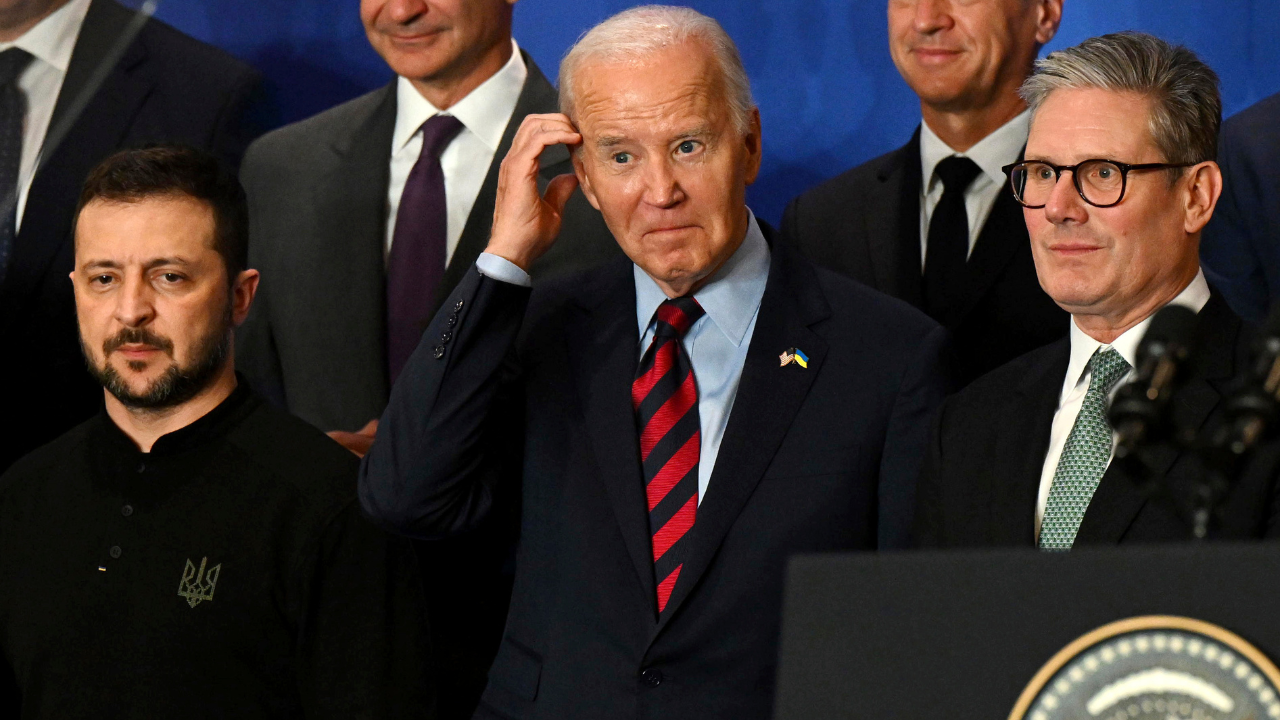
(960, 635)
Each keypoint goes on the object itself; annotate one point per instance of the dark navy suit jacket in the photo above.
(1240, 249)
(523, 397)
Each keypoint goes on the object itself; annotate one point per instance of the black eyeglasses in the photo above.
(1101, 183)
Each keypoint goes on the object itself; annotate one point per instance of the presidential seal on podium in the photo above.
(1154, 668)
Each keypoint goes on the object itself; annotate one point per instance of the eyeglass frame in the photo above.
(1075, 177)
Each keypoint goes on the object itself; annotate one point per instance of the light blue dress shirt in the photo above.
(717, 343)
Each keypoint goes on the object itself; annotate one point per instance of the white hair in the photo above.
(642, 31)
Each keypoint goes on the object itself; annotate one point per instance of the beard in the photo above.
(179, 383)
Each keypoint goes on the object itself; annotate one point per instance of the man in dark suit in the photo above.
(676, 424)
(165, 87)
(362, 224)
(1240, 249)
(933, 222)
(328, 203)
(1023, 456)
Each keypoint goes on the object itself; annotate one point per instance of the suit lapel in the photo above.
(1002, 236)
(768, 398)
(103, 125)
(1013, 483)
(893, 236)
(350, 201)
(537, 96)
(604, 352)
(1119, 499)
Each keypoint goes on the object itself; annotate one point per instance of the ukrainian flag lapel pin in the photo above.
(794, 355)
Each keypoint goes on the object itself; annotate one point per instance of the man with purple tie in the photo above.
(363, 218)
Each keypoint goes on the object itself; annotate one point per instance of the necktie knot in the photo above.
(956, 173)
(437, 132)
(1106, 367)
(12, 62)
(677, 315)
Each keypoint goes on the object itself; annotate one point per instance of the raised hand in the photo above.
(525, 223)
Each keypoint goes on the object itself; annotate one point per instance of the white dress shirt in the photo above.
(50, 42)
(484, 114)
(717, 343)
(991, 153)
(1076, 383)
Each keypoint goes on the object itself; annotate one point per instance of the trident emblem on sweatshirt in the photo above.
(198, 584)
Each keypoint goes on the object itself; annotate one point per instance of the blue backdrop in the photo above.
(829, 95)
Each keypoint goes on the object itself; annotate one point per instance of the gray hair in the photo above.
(1186, 107)
(641, 31)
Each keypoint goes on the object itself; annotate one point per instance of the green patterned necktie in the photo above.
(1084, 457)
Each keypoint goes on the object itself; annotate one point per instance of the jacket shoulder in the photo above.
(833, 197)
(298, 455)
(196, 63)
(285, 145)
(871, 311)
(46, 459)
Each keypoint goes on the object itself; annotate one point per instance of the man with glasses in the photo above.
(933, 222)
(1117, 182)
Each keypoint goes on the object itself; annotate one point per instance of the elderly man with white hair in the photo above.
(676, 424)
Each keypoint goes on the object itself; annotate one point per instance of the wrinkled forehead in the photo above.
(1073, 124)
(140, 231)
(669, 91)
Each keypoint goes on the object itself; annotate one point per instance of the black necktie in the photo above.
(947, 247)
(13, 110)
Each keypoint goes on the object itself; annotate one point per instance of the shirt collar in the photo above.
(485, 111)
(991, 153)
(212, 425)
(1193, 296)
(733, 294)
(52, 39)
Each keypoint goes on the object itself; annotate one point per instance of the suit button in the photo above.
(438, 352)
(446, 336)
(127, 510)
(142, 467)
(453, 320)
(457, 307)
(652, 677)
(115, 551)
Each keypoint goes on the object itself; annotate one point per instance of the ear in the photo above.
(1204, 187)
(243, 291)
(755, 146)
(1048, 18)
(584, 182)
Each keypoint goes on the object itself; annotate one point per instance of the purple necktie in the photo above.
(416, 263)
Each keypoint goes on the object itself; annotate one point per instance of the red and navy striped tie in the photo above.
(665, 398)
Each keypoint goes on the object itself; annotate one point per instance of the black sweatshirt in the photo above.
(228, 573)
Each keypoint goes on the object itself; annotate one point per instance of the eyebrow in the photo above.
(608, 141)
(149, 265)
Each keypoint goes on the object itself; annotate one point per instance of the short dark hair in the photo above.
(175, 170)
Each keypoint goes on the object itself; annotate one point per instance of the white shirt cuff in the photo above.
(502, 270)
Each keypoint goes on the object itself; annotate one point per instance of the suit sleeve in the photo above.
(923, 388)
(929, 517)
(451, 436)
(363, 645)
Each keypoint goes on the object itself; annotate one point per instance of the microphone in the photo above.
(1138, 412)
(1249, 418)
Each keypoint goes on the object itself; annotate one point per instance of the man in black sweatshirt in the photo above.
(191, 551)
